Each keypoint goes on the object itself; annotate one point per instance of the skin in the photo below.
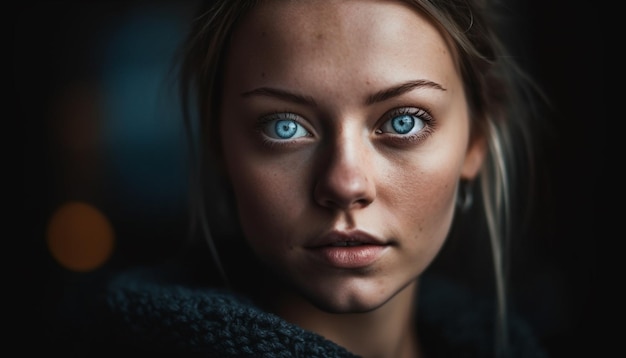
(317, 63)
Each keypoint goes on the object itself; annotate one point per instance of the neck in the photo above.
(388, 331)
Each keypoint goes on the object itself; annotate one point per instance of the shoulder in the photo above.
(159, 310)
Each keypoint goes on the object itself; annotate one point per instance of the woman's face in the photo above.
(345, 131)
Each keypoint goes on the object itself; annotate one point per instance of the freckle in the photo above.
(319, 36)
(262, 74)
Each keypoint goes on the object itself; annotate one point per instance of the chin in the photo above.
(346, 308)
(342, 293)
(343, 299)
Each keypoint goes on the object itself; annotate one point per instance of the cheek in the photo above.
(428, 200)
(422, 199)
(268, 195)
(422, 184)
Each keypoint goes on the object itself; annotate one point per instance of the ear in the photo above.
(474, 157)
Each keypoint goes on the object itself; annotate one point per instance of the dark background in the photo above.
(102, 61)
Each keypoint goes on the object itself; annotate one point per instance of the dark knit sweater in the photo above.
(157, 312)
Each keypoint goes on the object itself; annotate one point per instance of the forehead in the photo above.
(293, 19)
(380, 37)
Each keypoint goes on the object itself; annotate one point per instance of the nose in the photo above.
(345, 179)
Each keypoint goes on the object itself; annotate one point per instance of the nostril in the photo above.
(344, 194)
(344, 177)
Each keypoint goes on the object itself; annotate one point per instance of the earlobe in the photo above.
(474, 158)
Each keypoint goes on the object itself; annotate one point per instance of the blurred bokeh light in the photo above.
(112, 124)
(80, 237)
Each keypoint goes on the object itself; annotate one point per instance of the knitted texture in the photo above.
(158, 312)
(161, 316)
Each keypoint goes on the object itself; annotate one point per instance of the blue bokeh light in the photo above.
(142, 131)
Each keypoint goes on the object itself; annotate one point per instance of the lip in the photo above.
(353, 237)
(348, 250)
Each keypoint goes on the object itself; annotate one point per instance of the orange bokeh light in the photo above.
(80, 237)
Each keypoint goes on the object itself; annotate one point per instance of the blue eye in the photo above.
(284, 128)
(403, 124)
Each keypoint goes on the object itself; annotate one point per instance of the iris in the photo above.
(285, 129)
(403, 124)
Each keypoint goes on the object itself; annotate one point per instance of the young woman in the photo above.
(339, 144)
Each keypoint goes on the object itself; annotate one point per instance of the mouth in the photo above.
(348, 250)
(347, 243)
(347, 238)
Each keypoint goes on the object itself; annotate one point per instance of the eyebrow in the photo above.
(379, 96)
(400, 89)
